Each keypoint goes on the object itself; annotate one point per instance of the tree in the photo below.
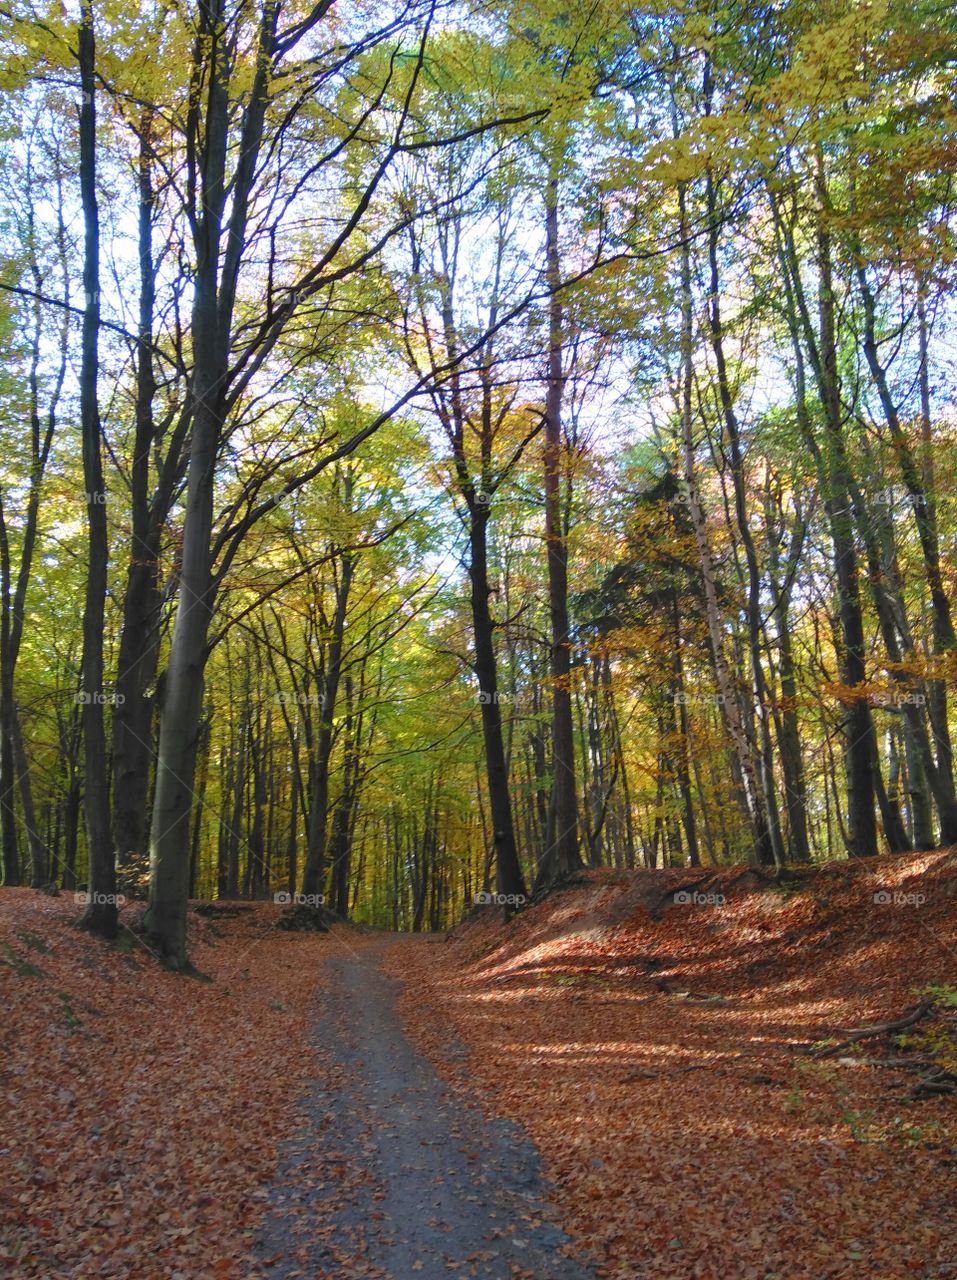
(101, 914)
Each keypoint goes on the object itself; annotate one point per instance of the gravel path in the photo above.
(392, 1175)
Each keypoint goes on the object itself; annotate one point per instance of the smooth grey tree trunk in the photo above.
(214, 293)
(181, 700)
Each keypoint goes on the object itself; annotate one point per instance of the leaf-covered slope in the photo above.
(663, 1058)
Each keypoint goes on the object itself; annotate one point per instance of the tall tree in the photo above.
(561, 856)
(101, 912)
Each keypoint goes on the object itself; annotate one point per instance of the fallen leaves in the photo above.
(648, 1048)
(143, 1109)
(645, 1047)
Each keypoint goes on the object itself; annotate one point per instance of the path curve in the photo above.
(390, 1173)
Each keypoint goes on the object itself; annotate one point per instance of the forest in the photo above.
(447, 447)
(478, 472)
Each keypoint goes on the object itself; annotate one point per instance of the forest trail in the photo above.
(281, 1119)
(412, 1182)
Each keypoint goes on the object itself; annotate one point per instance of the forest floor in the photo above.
(141, 1111)
(643, 1060)
(663, 1056)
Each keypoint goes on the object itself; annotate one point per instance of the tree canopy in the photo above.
(448, 445)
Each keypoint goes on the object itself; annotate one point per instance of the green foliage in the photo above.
(411, 170)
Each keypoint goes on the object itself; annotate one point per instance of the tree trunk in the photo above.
(860, 737)
(780, 581)
(236, 819)
(314, 874)
(682, 752)
(792, 764)
(181, 702)
(100, 916)
(132, 744)
(773, 850)
(258, 746)
(8, 765)
(199, 816)
(39, 859)
(342, 822)
(292, 871)
(508, 872)
(833, 468)
(749, 793)
(918, 796)
(561, 857)
(922, 501)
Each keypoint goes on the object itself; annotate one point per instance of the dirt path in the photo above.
(391, 1174)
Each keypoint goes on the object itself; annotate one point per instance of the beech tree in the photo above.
(445, 447)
